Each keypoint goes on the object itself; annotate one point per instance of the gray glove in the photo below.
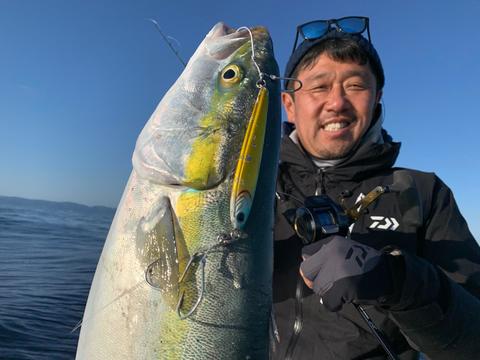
(343, 271)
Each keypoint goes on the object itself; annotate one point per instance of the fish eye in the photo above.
(231, 75)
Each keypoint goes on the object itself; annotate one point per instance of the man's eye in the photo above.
(320, 87)
(356, 86)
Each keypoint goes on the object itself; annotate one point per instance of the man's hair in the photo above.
(341, 49)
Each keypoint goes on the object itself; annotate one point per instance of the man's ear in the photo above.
(378, 97)
(289, 106)
(377, 110)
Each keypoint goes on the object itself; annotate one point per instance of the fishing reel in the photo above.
(318, 218)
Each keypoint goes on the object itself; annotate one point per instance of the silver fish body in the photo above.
(177, 279)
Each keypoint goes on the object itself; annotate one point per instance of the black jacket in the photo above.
(431, 234)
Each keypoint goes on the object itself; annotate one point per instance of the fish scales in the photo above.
(175, 208)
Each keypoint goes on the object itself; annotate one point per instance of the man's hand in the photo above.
(341, 271)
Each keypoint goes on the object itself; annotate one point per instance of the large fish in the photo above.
(186, 269)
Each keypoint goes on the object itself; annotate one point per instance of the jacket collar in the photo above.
(364, 161)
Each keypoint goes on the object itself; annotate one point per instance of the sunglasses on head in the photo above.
(316, 29)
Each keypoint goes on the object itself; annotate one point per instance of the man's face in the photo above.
(334, 108)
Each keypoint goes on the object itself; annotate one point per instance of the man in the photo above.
(409, 258)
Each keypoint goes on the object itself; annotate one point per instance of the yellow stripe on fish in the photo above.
(202, 162)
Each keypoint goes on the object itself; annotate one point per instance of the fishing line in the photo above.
(260, 82)
(277, 194)
(262, 75)
(168, 42)
(124, 293)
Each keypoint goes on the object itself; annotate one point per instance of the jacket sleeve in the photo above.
(448, 327)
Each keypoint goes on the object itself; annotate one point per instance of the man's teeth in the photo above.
(335, 126)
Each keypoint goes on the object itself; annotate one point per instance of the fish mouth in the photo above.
(222, 41)
(221, 29)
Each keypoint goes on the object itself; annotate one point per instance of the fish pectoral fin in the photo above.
(163, 251)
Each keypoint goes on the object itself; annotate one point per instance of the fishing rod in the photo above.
(379, 335)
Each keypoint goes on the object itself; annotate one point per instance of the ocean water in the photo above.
(48, 255)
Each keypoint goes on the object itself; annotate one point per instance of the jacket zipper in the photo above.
(298, 323)
(320, 181)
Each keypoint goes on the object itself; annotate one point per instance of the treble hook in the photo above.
(200, 257)
(203, 260)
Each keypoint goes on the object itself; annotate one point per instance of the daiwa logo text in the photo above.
(384, 223)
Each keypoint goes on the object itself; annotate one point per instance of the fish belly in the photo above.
(128, 318)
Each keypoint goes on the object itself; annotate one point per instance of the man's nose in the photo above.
(337, 99)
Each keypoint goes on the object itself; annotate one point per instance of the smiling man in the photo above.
(409, 257)
(334, 107)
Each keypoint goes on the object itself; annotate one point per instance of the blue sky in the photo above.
(79, 79)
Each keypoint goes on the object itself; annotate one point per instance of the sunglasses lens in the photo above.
(352, 25)
(314, 30)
